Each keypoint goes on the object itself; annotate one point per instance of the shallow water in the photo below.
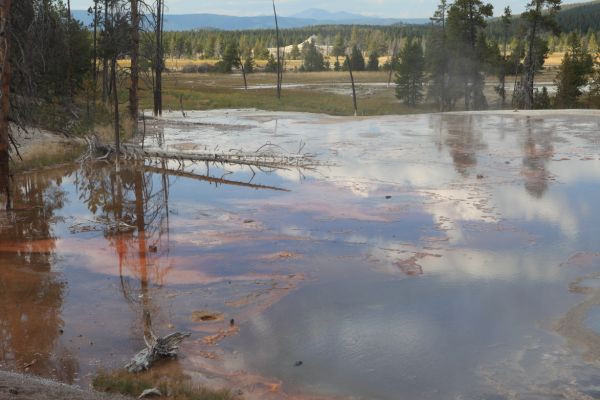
(428, 257)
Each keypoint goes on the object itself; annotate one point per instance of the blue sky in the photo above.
(384, 8)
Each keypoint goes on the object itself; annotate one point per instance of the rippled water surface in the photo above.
(426, 257)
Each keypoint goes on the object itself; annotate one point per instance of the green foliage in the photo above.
(410, 74)
(595, 78)
(207, 43)
(271, 64)
(295, 53)
(541, 100)
(339, 46)
(373, 64)
(576, 67)
(43, 40)
(249, 65)
(230, 59)
(313, 59)
(468, 49)
(437, 60)
(357, 61)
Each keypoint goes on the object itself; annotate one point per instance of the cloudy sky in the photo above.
(386, 8)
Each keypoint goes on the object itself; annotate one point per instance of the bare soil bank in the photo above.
(23, 387)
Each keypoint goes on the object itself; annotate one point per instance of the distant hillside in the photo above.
(580, 17)
(186, 22)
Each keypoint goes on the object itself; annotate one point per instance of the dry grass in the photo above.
(215, 91)
(45, 154)
(173, 387)
(554, 59)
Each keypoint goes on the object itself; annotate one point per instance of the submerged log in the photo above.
(165, 347)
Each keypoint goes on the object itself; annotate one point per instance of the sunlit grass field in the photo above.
(321, 92)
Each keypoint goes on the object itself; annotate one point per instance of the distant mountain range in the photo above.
(314, 16)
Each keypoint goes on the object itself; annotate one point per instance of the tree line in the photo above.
(452, 62)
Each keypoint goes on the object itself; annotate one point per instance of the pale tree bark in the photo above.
(5, 6)
(277, 45)
(349, 61)
(135, 71)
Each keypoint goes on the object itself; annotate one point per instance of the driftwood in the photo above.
(264, 157)
(159, 348)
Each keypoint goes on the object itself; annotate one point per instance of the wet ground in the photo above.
(428, 257)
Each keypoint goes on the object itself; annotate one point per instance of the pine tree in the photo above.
(313, 59)
(436, 56)
(410, 74)
(466, 20)
(357, 60)
(539, 16)
(295, 53)
(249, 64)
(373, 64)
(575, 69)
(271, 64)
(230, 58)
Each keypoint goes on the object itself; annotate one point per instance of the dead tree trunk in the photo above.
(243, 73)
(105, 77)
(135, 71)
(158, 62)
(353, 87)
(277, 45)
(69, 53)
(95, 55)
(115, 94)
(392, 60)
(5, 6)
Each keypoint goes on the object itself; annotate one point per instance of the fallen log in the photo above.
(159, 348)
(262, 159)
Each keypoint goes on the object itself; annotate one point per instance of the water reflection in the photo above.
(442, 250)
(538, 149)
(133, 205)
(464, 138)
(31, 290)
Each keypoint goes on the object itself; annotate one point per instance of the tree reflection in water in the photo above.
(126, 196)
(538, 149)
(31, 292)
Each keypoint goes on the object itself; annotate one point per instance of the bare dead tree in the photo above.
(5, 6)
(95, 53)
(115, 94)
(392, 60)
(349, 62)
(105, 77)
(135, 71)
(69, 53)
(277, 46)
(159, 59)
